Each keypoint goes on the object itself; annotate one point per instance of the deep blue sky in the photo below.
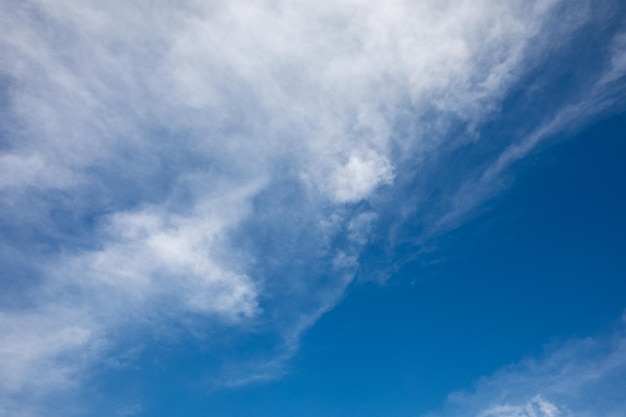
(320, 208)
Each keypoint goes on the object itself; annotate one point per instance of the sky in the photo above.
(314, 208)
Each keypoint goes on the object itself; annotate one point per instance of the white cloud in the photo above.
(359, 176)
(536, 407)
(30, 342)
(580, 378)
(201, 157)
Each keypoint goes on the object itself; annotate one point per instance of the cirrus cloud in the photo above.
(223, 162)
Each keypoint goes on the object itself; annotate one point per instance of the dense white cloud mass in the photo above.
(582, 378)
(189, 163)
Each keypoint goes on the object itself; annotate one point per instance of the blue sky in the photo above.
(316, 208)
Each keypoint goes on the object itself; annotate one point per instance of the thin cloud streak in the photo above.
(605, 93)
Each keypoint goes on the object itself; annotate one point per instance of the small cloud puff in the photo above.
(359, 177)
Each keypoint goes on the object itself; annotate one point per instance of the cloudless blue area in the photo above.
(546, 263)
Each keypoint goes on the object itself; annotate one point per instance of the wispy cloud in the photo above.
(221, 163)
(606, 91)
(581, 378)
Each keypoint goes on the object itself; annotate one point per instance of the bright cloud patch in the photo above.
(537, 407)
